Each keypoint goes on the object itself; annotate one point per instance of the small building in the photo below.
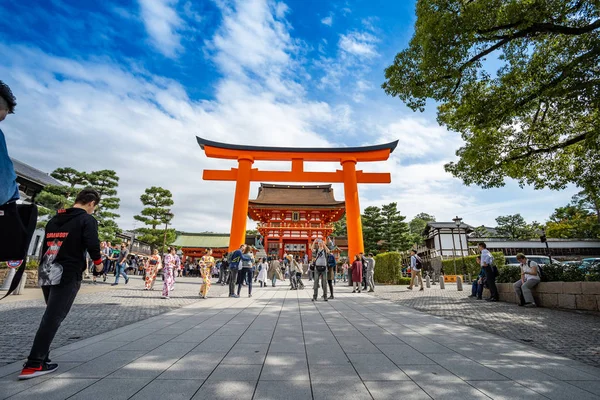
(290, 217)
(567, 249)
(446, 239)
(135, 246)
(31, 180)
(194, 245)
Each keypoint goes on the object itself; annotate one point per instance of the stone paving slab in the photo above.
(269, 347)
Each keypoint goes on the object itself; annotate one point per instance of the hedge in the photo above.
(551, 273)
(470, 263)
(388, 268)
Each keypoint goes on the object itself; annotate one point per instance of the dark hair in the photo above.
(521, 256)
(88, 195)
(413, 251)
(8, 96)
(370, 254)
(171, 248)
(482, 245)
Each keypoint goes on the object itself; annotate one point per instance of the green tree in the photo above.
(372, 223)
(156, 214)
(395, 232)
(515, 227)
(417, 226)
(572, 222)
(339, 228)
(106, 183)
(56, 197)
(481, 232)
(536, 119)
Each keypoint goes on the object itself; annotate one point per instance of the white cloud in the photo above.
(327, 21)
(360, 44)
(162, 24)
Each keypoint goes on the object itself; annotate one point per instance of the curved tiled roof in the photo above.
(33, 174)
(295, 195)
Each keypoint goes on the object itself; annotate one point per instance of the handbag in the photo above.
(17, 224)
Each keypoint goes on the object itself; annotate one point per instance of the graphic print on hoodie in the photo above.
(69, 235)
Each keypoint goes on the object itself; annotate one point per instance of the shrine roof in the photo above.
(202, 240)
(296, 195)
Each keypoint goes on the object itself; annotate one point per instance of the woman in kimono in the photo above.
(206, 265)
(356, 274)
(152, 267)
(262, 273)
(169, 267)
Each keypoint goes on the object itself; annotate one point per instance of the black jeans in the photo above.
(233, 273)
(245, 275)
(59, 299)
(490, 279)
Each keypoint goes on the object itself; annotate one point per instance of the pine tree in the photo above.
(417, 226)
(106, 183)
(155, 215)
(372, 223)
(395, 232)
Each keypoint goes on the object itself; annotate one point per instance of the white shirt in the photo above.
(486, 258)
(528, 267)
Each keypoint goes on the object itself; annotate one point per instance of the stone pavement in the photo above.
(97, 309)
(573, 334)
(280, 345)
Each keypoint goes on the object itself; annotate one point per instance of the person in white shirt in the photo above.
(487, 262)
(530, 277)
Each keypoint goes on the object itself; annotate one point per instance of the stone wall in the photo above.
(569, 295)
(32, 277)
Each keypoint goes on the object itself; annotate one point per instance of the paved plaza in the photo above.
(573, 334)
(280, 345)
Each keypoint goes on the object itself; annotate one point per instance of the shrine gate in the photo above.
(348, 157)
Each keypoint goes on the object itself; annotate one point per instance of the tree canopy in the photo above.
(515, 227)
(537, 119)
(156, 214)
(56, 197)
(394, 231)
(417, 226)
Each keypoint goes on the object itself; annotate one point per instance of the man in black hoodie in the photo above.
(69, 235)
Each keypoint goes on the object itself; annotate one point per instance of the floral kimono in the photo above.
(170, 266)
(206, 265)
(152, 266)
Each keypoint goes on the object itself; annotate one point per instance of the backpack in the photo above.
(419, 262)
(331, 263)
(540, 271)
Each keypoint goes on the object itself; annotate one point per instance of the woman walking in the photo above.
(206, 265)
(299, 271)
(356, 274)
(170, 265)
(263, 268)
(152, 267)
(246, 270)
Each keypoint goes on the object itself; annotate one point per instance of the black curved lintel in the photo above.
(387, 146)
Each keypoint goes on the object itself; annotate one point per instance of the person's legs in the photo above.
(324, 283)
(168, 281)
(526, 288)
(420, 276)
(474, 288)
(316, 285)
(371, 281)
(232, 280)
(249, 273)
(59, 300)
(517, 288)
(412, 279)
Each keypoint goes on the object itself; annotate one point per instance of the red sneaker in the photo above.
(33, 372)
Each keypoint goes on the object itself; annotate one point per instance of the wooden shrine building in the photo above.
(290, 217)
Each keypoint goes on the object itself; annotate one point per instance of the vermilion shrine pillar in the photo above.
(240, 203)
(353, 222)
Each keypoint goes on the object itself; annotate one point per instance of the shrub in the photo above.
(32, 264)
(470, 263)
(573, 273)
(388, 267)
(403, 281)
(508, 274)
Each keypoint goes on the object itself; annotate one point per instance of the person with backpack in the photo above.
(530, 277)
(234, 264)
(477, 284)
(487, 262)
(320, 253)
(245, 271)
(416, 266)
(68, 236)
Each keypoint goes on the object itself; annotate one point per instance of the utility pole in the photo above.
(544, 240)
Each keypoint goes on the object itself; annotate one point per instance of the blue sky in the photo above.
(127, 84)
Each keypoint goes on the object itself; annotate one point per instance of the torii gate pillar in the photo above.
(353, 222)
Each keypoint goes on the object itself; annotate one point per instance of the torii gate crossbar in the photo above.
(348, 157)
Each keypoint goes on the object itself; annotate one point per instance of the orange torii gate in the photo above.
(348, 175)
